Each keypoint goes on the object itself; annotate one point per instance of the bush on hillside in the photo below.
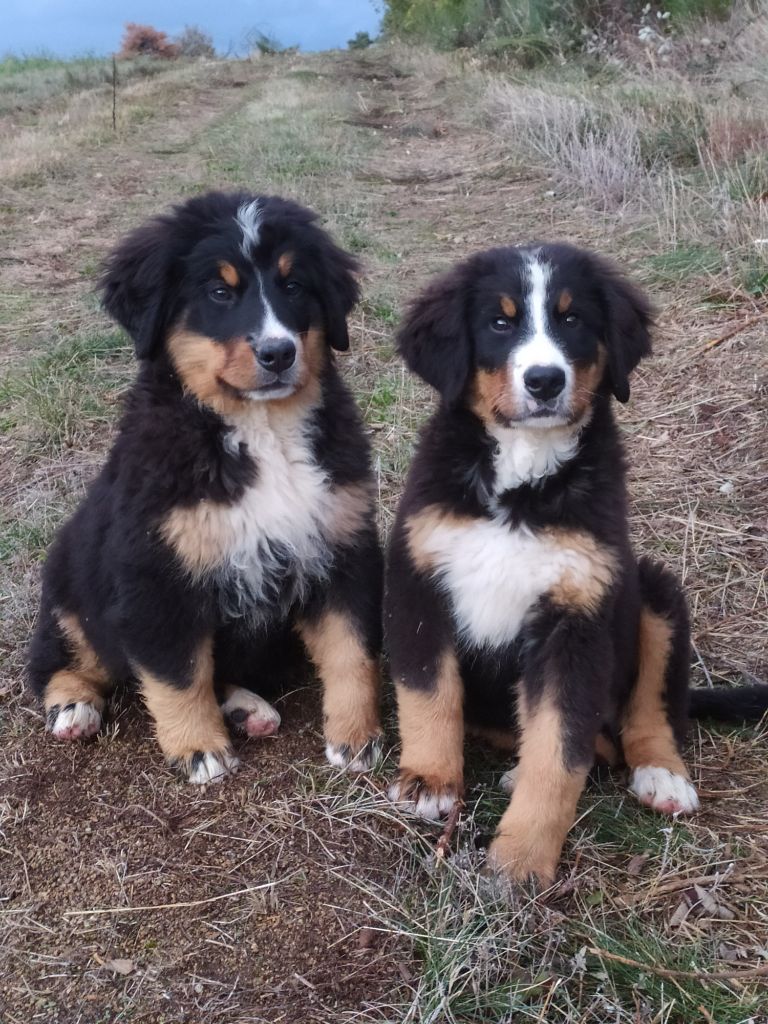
(538, 26)
(361, 41)
(145, 41)
(194, 42)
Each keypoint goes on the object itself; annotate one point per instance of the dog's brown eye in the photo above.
(501, 323)
(571, 319)
(292, 287)
(220, 294)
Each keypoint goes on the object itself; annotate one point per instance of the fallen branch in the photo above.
(444, 842)
(666, 972)
(736, 330)
(175, 906)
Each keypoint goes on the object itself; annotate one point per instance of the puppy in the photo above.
(514, 601)
(236, 505)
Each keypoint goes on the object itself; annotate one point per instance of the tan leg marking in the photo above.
(532, 831)
(501, 739)
(350, 679)
(74, 698)
(659, 778)
(189, 722)
(431, 725)
(646, 735)
(606, 751)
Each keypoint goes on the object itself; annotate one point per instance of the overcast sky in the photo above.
(68, 27)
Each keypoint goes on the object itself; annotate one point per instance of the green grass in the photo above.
(684, 261)
(58, 400)
(27, 539)
(27, 83)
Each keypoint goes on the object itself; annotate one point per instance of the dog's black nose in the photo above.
(544, 382)
(276, 354)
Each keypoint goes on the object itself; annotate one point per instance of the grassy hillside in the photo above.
(293, 894)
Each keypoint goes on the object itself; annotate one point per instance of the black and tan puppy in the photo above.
(236, 504)
(514, 601)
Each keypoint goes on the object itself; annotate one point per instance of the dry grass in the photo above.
(359, 921)
(674, 145)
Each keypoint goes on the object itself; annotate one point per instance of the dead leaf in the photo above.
(731, 954)
(711, 906)
(680, 914)
(123, 967)
(637, 864)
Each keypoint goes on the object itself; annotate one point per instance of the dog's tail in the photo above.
(735, 704)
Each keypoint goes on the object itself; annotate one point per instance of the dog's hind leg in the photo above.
(69, 677)
(654, 719)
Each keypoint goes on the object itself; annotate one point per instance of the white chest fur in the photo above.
(494, 575)
(526, 455)
(277, 535)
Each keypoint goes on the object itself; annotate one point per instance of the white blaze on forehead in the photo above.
(271, 326)
(249, 221)
(538, 348)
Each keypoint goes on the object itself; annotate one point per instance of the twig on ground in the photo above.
(175, 906)
(666, 972)
(714, 342)
(444, 842)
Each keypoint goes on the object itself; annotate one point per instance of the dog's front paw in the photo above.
(355, 757)
(522, 858)
(663, 790)
(76, 721)
(204, 766)
(429, 797)
(250, 714)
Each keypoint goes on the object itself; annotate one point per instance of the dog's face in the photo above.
(528, 336)
(242, 293)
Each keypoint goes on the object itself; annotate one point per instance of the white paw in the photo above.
(348, 759)
(204, 767)
(250, 713)
(508, 780)
(75, 721)
(662, 790)
(426, 803)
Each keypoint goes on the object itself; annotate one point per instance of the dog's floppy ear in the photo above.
(135, 285)
(628, 336)
(340, 293)
(434, 337)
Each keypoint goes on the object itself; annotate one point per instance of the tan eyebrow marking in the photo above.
(285, 263)
(229, 275)
(564, 302)
(508, 306)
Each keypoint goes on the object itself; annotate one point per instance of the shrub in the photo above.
(194, 42)
(258, 41)
(361, 41)
(145, 41)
